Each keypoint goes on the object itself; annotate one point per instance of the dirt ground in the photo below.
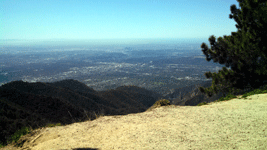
(234, 124)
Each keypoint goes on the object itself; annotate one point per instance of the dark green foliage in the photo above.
(228, 97)
(73, 85)
(53, 125)
(262, 89)
(35, 105)
(243, 52)
(15, 137)
(13, 118)
(203, 103)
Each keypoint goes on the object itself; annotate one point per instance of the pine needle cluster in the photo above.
(243, 52)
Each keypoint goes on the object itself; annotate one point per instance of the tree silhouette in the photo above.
(243, 52)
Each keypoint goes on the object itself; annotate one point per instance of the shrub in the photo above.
(228, 97)
(162, 102)
(53, 125)
(203, 103)
(257, 91)
(1, 145)
(15, 137)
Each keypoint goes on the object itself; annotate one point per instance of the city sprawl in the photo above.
(154, 68)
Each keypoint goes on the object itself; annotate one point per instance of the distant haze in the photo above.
(99, 42)
(56, 22)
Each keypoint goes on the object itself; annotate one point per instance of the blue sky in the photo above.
(114, 19)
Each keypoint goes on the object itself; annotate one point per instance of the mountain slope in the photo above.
(63, 102)
(74, 85)
(233, 124)
(70, 101)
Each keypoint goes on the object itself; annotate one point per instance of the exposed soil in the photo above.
(233, 124)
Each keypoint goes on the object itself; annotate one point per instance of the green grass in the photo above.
(203, 103)
(230, 96)
(16, 136)
(1, 145)
(53, 125)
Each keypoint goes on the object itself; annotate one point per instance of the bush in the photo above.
(162, 102)
(53, 125)
(257, 91)
(203, 103)
(15, 137)
(1, 145)
(228, 97)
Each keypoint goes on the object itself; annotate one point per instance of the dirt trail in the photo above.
(234, 124)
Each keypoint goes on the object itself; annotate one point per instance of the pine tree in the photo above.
(243, 52)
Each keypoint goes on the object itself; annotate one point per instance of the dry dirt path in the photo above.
(235, 124)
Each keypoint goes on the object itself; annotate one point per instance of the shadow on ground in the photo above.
(84, 149)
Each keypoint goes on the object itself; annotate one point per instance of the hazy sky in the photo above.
(114, 19)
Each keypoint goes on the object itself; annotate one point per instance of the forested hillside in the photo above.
(39, 104)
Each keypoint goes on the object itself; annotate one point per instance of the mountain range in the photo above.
(39, 104)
